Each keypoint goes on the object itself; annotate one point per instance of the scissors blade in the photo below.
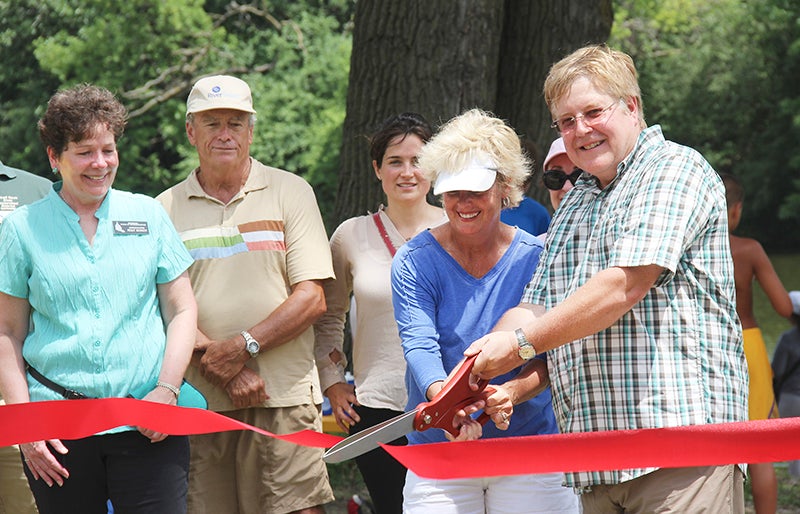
(362, 442)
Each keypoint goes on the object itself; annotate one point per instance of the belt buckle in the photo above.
(69, 394)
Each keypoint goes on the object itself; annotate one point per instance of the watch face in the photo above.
(253, 347)
(526, 352)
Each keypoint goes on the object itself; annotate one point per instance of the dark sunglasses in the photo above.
(555, 179)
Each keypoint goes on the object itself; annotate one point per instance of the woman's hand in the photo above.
(42, 463)
(342, 397)
(497, 401)
(158, 395)
(499, 405)
(469, 430)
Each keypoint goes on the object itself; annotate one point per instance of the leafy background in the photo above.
(718, 75)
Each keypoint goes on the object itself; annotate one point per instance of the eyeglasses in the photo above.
(555, 179)
(590, 117)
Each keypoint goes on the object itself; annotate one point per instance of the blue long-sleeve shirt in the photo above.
(441, 309)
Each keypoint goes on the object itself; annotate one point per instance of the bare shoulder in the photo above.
(745, 249)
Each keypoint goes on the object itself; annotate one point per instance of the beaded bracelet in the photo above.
(171, 387)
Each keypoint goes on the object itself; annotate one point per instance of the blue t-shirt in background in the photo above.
(530, 216)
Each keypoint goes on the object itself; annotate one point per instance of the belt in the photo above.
(69, 394)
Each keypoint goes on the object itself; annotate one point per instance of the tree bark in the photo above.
(536, 34)
(441, 57)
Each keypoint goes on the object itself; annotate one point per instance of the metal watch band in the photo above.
(250, 344)
(526, 350)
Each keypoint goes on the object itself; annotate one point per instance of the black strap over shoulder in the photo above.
(69, 394)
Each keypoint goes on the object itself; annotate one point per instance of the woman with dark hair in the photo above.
(362, 249)
(101, 275)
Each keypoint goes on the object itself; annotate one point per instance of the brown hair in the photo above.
(73, 114)
(403, 125)
(734, 192)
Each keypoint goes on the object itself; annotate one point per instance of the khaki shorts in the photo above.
(245, 472)
(15, 495)
(697, 489)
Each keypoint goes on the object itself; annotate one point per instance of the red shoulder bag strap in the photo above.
(376, 217)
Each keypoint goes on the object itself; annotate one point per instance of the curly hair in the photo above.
(73, 115)
(478, 134)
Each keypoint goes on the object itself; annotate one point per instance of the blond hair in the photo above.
(611, 71)
(477, 134)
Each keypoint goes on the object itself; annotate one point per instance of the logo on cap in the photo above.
(220, 92)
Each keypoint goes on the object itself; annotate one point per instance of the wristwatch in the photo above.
(526, 350)
(250, 343)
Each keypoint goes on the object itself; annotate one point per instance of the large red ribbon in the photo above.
(74, 419)
(751, 442)
(726, 443)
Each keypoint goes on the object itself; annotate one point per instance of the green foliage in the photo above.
(294, 55)
(720, 76)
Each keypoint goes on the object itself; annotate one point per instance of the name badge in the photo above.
(126, 228)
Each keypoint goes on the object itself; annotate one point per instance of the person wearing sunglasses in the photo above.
(634, 299)
(560, 174)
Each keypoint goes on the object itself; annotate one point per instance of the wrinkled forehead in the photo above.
(222, 115)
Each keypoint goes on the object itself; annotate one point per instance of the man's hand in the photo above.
(223, 360)
(342, 397)
(497, 354)
(247, 389)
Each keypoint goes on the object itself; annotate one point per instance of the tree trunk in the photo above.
(441, 57)
(536, 34)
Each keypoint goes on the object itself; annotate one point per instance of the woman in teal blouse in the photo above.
(95, 298)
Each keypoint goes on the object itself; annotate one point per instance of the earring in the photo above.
(505, 202)
(55, 170)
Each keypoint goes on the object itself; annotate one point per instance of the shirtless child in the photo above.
(750, 262)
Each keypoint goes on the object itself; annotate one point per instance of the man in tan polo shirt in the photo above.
(261, 254)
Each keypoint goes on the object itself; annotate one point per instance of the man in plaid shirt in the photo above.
(634, 298)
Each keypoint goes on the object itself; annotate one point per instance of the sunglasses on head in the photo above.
(555, 179)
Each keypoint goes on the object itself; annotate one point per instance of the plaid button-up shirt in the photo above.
(676, 357)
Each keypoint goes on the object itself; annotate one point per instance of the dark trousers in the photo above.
(138, 476)
(383, 475)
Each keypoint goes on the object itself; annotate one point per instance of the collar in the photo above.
(101, 213)
(646, 137)
(256, 180)
(7, 171)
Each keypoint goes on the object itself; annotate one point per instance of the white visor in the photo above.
(478, 175)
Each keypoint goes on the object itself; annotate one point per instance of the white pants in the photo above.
(499, 495)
